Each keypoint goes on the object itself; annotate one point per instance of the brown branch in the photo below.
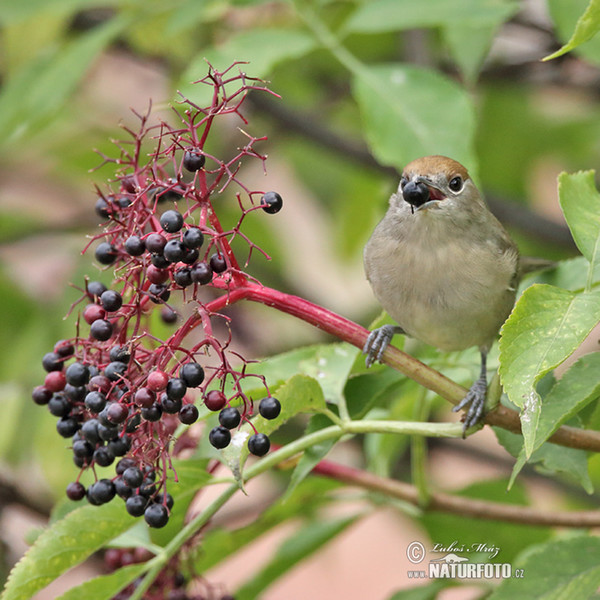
(458, 505)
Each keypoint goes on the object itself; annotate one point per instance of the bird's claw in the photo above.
(379, 339)
(475, 400)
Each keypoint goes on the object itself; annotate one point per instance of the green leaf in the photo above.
(404, 117)
(105, 587)
(37, 91)
(391, 15)
(545, 327)
(469, 45)
(303, 542)
(262, 48)
(574, 390)
(587, 27)
(558, 569)
(67, 543)
(12, 11)
(580, 202)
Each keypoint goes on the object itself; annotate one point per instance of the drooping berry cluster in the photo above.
(118, 390)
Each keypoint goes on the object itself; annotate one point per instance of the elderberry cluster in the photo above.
(118, 390)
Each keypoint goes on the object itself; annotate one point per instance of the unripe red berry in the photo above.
(157, 381)
(93, 312)
(144, 397)
(156, 275)
(215, 400)
(55, 381)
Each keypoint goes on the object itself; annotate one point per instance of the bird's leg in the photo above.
(475, 398)
(379, 339)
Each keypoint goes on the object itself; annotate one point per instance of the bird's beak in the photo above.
(435, 194)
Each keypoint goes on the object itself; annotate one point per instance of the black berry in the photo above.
(75, 491)
(171, 221)
(133, 477)
(158, 293)
(193, 238)
(120, 446)
(174, 251)
(156, 515)
(218, 263)
(193, 160)
(152, 413)
(115, 370)
(188, 414)
(89, 430)
(117, 413)
(269, 407)
(136, 505)
(201, 273)
(52, 362)
(259, 444)
(41, 395)
(176, 388)
(219, 437)
(102, 208)
(119, 354)
(155, 242)
(67, 427)
(101, 330)
(102, 491)
(135, 246)
(192, 374)
(95, 401)
(123, 465)
(59, 406)
(77, 374)
(111, 301)
(271, 203)
(103, 456)
(169, 405)
(122, 489)
(191, 256)
(95, 289)
(75, 393)
(230, 417)
(106, 253)
(183, 277)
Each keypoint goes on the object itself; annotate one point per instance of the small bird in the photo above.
(443, 267)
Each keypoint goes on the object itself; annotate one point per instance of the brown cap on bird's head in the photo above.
(436, 164)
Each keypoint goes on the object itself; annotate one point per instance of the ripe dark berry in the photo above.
(193, 238)
(183, 277)
(59, 406)
(83, 449)
(218, 263)
(155, 242)
(102, 491)
(259, 444)
(95, 401)
(67, 427)
(215, 400)
(148, 487)
(188, 414)
(135, 246)
(158, 293)
(174, 251)
(219, 437)
(136, 505)
(117, 413)
(152, 413)
(75, 491)
(157, 381)
(102, 208)
(103, 456)
(115, 370)
(271, 202)
(89, 430)
(119, 354)
(64, 348)
(95, 289)
(52, 362)
(169, 405)
(107, 433)
(192, 374)
(269, 407)
(230, 417)
(101, 330)
(120, 446)
(159, 261)
(77, 374)
(106, 253)
(93, 312)
(156, 515)
(193, 160)
(122, 489)
(166, 499)
(168, 316)
(41, 395)
(191, 256)
(124, 464)
(111, 301)
(144, 397)
(75, 393)
(156, 275)
(201, 273)
(176, 388)
(133, 477)
(171, 221)
(133, 423)
(55, 381)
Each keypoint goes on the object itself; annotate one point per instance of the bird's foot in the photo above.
(379, 339)
(475, 400)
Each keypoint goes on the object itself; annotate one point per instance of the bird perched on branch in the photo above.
(443, 268)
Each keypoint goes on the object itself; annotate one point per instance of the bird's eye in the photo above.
(456, 183)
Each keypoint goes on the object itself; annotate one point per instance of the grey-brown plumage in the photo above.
(442, 266)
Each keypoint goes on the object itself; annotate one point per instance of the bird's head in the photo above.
(435, 182)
